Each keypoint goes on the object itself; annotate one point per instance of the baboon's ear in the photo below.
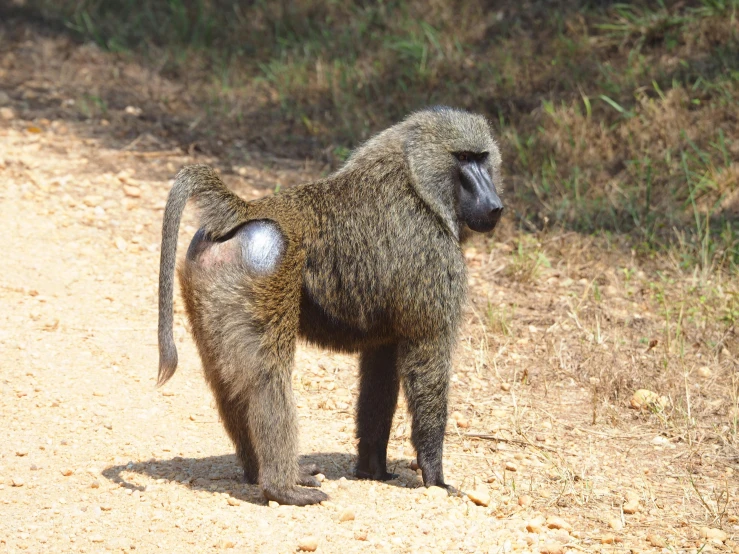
(432, 178)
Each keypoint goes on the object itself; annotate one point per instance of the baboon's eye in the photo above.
(463, 156)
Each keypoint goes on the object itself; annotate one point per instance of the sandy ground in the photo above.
(96, 459)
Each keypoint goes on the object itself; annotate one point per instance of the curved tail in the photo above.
(220, 211)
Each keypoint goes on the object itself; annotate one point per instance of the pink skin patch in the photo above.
(258, 245)
(207, 253)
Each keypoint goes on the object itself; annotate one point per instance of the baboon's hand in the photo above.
(306, 479)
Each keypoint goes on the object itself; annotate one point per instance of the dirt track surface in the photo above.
(97, 459)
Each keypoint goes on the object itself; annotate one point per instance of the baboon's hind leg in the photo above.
(273, 422)
(378, 398)
(233, 415)
(258, 407)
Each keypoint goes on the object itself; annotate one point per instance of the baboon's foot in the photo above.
(372, 463)
(451, 491)
(306, 479)
(295, 496)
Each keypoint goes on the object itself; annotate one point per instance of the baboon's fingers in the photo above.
(307, 471)
(310, 469)
(294, 496)
(453, 491)
(307, 480)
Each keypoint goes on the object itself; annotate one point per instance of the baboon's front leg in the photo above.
(378, 397)
(425, 370)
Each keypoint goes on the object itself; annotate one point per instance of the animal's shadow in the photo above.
(223, 473)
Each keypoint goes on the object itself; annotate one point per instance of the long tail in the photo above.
(220, 211)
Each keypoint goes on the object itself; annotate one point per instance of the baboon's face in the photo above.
(454, 156)
(479, 204)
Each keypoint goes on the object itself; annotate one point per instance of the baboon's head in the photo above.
(455, 164)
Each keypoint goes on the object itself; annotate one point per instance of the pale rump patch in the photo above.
(258, 244)
(262, 245)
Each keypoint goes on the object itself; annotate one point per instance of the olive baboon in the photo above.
(367, 260)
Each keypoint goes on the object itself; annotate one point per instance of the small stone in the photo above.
(233, 501)
(704, 372)
(536, 525)
(435, 492)
(121, 244)
(460, 420)
(414, 465)
(551, 548)
(510, 466)
(132, 191)
(106, 507)
(659, 440)
(92, 200)
(631, 506)
(656, 541)
(505, 387)
(273, 504)
(22, 452)
(225, 543)
(525, 500)
(320, 477)
(17, 482)
(346, 515)
(360, 534)
(644, 399)
(556, 522)
(710, 534)
(308, 544)
(96, 538)
(66, 471)
(7, 113)
(133, 110)
(615, 524)
(481, 497)
(343, 483)
(608, 539)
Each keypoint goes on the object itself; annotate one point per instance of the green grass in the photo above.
(618, 119)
